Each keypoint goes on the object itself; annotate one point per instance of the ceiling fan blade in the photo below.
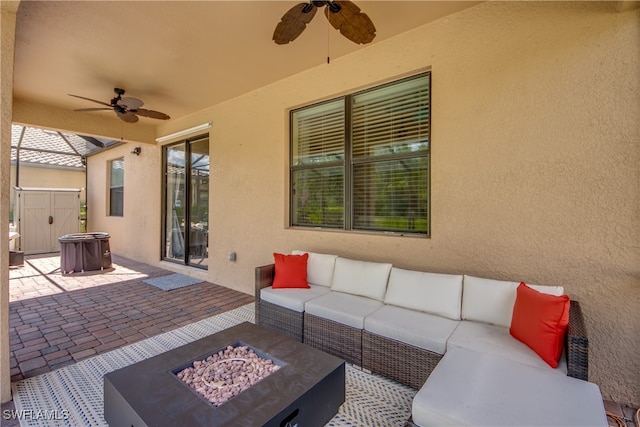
(127, 116)
(151, 113)
(89, 99)
(353, 24)
(94, 109)
(130, 103)
(294, 22)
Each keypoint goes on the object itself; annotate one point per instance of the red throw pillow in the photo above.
(540, 321)
(291, 271)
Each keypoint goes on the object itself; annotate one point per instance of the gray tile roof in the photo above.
(52, 148)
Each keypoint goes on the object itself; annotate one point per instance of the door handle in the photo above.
(50, 220)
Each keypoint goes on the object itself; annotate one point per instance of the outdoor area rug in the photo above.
(172, 281)
(73, 395)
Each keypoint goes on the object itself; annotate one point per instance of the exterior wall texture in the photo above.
(535, 155)
(47, 178)
(7, 35)
(136, 234)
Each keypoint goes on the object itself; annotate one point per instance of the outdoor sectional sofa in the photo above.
(446, 335)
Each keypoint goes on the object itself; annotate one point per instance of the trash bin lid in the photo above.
(82, 237)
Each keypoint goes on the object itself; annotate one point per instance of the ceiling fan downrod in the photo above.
(114, 101)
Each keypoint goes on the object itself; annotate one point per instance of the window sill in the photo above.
(361, 232)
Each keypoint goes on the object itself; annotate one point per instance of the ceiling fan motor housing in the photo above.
(114, 101)
(333, 6)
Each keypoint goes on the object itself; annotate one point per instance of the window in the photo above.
(361, 162)
(116, 187)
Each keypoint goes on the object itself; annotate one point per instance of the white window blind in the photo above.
(317, 181)
(361, 162)
(390, 157)
(391, 119)
(319, 133)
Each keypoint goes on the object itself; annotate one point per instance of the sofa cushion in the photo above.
(496, 340)
(290, 271)
(292, 298)
(481, 389)
(491, 301)
(540, 321)
(439, 294)
(367, 279)
(343, 308)
(423, 330)
(319, 267)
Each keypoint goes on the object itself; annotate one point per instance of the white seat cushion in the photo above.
(496, 340)
(292, 298)
(433, 293)
(367, 279)
(416, 328)
(343, 308)
(491, 301)
(480, 389)
(319, 267)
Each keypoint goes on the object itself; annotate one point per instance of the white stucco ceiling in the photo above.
(179, 56)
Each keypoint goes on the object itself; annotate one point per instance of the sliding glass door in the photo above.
(199, 206)
(186, 202)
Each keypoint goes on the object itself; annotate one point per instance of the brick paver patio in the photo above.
(56, 320)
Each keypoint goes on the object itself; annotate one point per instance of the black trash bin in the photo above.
(82, 252)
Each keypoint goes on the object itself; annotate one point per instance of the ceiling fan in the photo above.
(127, 108)
(343, 15)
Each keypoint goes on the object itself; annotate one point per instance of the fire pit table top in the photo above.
(308, 389)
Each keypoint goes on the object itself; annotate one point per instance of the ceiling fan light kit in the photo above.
(343, 15)
(126, 108)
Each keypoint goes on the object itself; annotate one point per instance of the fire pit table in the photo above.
(307, 389)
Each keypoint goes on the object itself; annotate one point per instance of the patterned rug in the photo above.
(73, 395)
(172, 281)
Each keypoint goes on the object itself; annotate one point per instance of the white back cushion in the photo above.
(367, 279)
(439, 294)
(491, 301)
(319, 267)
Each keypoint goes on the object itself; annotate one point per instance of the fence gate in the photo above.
(44, 215)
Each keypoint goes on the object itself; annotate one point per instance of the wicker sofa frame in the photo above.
(286, 322)
(401, 362)
(577, 344)
(333, 338)
(412, 366)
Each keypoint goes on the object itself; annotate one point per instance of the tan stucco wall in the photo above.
(136, 234)
(47, 178)
(7, 36)
(535, 154)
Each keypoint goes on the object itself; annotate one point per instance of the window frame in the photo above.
(110, 208)
(350, 163)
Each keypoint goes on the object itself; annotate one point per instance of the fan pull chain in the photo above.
(328, 43)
